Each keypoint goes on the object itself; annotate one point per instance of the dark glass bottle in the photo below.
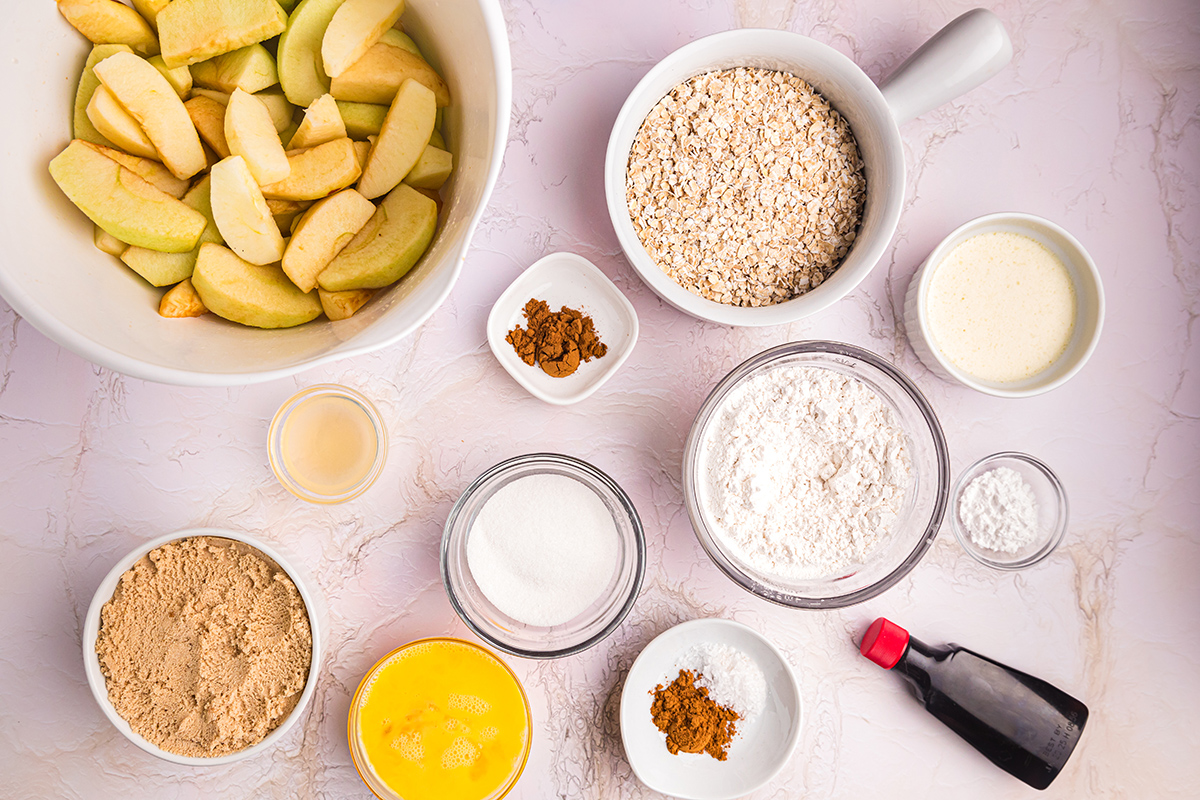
(1022, 724)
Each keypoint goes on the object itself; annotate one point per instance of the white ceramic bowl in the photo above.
(96, 680)
(962, 55)
(90, 303)
(1089, 305)
(565, 279)
(760, 749)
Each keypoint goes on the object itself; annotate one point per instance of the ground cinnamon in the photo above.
(692, 722)
(557, 341)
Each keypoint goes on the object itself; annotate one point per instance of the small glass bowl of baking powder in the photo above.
(1009, 511)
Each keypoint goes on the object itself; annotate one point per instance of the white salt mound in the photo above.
(733, 680)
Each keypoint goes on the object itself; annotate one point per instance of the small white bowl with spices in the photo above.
(1009, 511)
(543, 556)
(564, 280)
(769, 703)
(175, 651)
(1008, 304)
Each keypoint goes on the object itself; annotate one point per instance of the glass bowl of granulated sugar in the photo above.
(816, 475)
(543, 556)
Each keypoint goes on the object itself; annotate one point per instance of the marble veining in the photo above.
(1095, 124)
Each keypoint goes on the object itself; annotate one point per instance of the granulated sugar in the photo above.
(804, 471)
(733, 680)
(543, 548)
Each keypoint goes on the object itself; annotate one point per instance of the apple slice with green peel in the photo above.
(250, 68)
(107, 243)
(387, 247)
(110, 22)
(398, 38)
(257, 295)
(180, 78)
(191, 31)
(317, 172)
(251, 135)
(147, 96)
(355, 26)
(118, 125)
(343, 305)
(404, 136)
(82, 127)
(299, 53)
(377, 75)
(437, 141)
(241, 213)
(361, 119)
(181, 300)
(431, 170)
(123, 203)
(209, 118)
(322, 123)
(154, 172)
(321, 234)
(164, 269)
(149, 10)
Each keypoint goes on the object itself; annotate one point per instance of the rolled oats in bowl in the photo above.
(745, 186)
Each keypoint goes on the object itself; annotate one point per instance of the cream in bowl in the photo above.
(1009, 304)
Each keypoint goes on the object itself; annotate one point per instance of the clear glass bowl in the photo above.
(919, 518)
(275, 443)
(1052, 510)
(358, 753)
(533, 641)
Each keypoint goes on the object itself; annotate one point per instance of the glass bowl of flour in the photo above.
(816, 475)
(543, 555)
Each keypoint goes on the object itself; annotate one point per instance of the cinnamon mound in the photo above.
(557, 341)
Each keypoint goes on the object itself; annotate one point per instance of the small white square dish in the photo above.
(564, 279)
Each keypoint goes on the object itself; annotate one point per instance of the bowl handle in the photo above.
(959, 57)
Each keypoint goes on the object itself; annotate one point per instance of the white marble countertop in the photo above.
(1094, 125)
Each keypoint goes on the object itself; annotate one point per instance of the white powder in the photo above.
(804, 471)
(732, 678)
(999, 511)
(543, 548)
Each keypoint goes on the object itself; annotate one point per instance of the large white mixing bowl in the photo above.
(87, 301)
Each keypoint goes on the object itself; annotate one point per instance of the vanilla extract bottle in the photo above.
(1022, 724)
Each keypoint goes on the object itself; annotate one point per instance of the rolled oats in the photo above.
(745, 186)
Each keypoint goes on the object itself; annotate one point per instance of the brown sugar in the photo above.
(205, 646)
(692, 722)
(557, 341)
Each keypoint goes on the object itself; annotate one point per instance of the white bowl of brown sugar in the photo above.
(202, 647)
(755, 177)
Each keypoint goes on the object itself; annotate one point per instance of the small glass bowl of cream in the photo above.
(1008, 304)
(327, 444)
(1009, 510)
(543, 556)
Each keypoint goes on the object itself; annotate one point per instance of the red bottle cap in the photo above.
(884, 643)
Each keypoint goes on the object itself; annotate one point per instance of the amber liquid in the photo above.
(328, 444)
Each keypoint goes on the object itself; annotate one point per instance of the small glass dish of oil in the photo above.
(327, 444)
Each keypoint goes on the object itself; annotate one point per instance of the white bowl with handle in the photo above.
(90, 303)
(962, 55)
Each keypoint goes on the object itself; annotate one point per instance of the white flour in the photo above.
(804, 471)
(999, 511)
